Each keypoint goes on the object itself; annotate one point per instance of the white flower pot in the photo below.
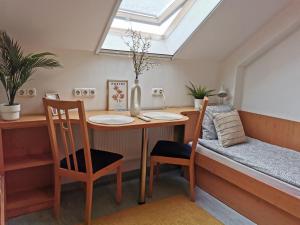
(10, 112)
(197, 103)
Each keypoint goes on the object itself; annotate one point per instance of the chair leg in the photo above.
(89, 202)
(192, 182)
(182, 171)
(2, 201)
(151, 178)
(119, 185)
(157, 171)
(57, 195)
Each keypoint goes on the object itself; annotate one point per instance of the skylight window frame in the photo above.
(153, 35)
(185, 4)
(151, 19)
(160, 54)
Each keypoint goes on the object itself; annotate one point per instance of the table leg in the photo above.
(143, 167)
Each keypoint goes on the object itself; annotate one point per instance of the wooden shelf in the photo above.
(23, 202)
(27, 166)
(27, 161)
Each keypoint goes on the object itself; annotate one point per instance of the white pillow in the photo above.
(229, 128)
(208, 128)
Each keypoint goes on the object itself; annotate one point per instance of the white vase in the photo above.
(197, 103)
(10, 112)
(135, 99)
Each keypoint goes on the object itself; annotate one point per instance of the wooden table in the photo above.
(138, 123)
(39, 121)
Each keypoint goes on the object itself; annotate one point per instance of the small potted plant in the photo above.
(199, 92)
(15, 69)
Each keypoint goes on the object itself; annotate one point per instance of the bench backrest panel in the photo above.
(281, 132)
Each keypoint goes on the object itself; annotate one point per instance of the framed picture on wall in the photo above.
(117, 95)
(53, 96)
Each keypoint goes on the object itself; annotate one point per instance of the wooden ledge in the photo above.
(40, 120)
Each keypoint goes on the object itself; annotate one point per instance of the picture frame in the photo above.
(117, 95)
(53, 96)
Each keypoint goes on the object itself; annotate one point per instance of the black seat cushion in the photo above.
(100, 159)
(172, 149)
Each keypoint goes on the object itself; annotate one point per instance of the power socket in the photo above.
(84, 92)
(77, 92)
(31, 92)
(27, 92)
(22, 92)
(157, 91)
(92, 92)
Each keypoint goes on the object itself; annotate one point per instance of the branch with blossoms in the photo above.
(139, 51)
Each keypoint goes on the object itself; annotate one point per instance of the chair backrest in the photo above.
(198, 128)
(66, 132)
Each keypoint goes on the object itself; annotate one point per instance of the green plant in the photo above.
(199, 92)
(16, 68)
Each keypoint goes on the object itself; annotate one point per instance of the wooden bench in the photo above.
(261, 198)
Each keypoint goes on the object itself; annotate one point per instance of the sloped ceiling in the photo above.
(228, 27)
(62, 24)
(79, 24)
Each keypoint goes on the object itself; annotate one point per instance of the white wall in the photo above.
(85, 69)
(269, 56)
(272, 83)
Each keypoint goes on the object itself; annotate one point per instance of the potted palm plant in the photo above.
(199, 92)
(15, 69)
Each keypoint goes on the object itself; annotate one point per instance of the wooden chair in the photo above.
(170, 152)
(86, 164)
(2, 196)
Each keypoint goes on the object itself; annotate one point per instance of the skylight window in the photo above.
(168, 23)
(147, 28)
(152, 8)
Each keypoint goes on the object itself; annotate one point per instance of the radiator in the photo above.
(128, 142)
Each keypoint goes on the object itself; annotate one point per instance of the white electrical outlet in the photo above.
(84, 92)
(92, 92)
(31, 92)
(157, 91)
(77, 92)
(22, 92)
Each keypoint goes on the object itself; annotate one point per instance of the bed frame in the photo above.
(261, 198)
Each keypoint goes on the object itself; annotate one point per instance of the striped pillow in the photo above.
(229, 128)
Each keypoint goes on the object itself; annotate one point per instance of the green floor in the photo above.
(169, 184)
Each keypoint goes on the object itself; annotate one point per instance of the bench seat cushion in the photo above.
(278, 162)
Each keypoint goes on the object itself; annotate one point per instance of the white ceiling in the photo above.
(228, 27)
(79, 24)
(66, 24)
